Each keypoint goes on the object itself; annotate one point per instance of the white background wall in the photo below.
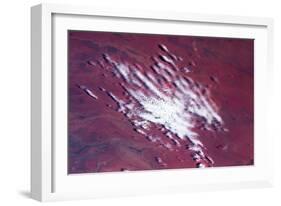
(15, 95)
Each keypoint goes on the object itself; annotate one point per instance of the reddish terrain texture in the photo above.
(145, 102)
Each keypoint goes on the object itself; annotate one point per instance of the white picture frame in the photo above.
(49, 179)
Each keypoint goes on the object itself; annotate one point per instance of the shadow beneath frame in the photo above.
(25, 193)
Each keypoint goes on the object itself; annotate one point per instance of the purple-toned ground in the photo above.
(146, 102)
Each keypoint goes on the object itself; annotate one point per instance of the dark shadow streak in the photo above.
(25, 193)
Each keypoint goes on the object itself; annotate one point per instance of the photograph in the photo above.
(140, 101)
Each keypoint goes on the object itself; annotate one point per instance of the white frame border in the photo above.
(42, 87)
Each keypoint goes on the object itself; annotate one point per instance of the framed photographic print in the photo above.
(137, 102)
